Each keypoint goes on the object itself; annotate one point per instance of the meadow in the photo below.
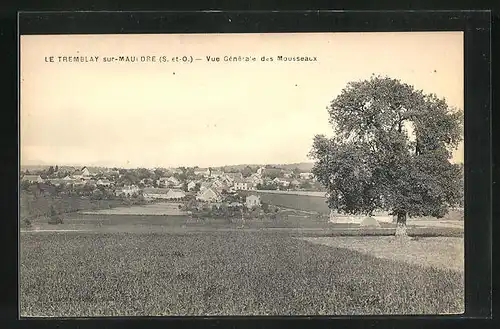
(220, 273)
(105, 222)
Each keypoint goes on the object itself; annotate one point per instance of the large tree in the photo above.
(391, 151)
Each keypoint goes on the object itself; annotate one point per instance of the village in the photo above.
(207, 186)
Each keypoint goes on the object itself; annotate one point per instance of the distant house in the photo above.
(202, 172)
(209, 195)
(282, 181)
(233, 176)
(288, 174)
(112, 172)
(252, 201)
(241, 185)
(128, 190)
(295, 183)
(191, 185)
(254, 180)
(82, 174)
(218, 183)
(57, 181)
(215, 173)
(93, 183)
(80, 182)
(77, 175)
(85, 172)
(32, 179)
(148, 182)
(68, 179)
(103, 182)
(205, 185)
(162, 181)
(175, 171)
(261, 171)
(173, 181)
(173, 194)
(155, 193)
(306, 175)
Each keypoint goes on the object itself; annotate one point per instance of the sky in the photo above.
(158, 114)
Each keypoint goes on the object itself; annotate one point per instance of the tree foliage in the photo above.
(391, 151)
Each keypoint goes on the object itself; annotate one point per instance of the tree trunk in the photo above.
(401, 225)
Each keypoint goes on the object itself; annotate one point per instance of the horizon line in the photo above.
(166, 167)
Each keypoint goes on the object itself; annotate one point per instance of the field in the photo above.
(221, 273)
(439, 252)
(293, 224)
(316, 202)
(31, 207)
(302, 202)
(158, 209)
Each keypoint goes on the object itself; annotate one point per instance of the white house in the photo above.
(209, 195)
(128, 190)
(260, 171)
(191, 185)
(103, 182)
(241, 185)
(306, 175)
(252, 201)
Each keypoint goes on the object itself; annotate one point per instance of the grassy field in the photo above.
(294, 224)
(439, 252)
(316, 202)
(220, 273)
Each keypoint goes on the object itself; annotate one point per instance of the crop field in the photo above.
(302, 202)
(220, 273)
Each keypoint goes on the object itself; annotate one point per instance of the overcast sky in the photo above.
(209, 114)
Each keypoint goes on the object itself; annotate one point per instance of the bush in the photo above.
(26, 222)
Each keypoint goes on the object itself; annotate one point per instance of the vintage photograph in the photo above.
(241, 174)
